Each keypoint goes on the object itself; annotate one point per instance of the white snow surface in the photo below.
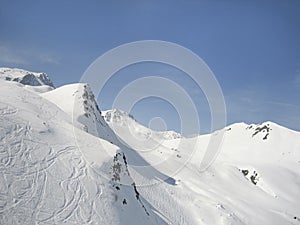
(61, 163)
(117, 117)
(39, 82)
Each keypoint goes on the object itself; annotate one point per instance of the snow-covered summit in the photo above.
(117, 117)
(25, 77)
(61, 163)
(78, 101)
(47, 178)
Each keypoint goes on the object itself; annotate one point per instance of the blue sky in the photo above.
(253, 48)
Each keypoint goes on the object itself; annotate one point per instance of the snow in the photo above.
(77, 101)
(46, 178)
(26, 77)
(63, 161)
(117, 117)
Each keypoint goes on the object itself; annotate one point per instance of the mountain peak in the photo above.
(25, 77)
(78, 101)
(61, 163)
(117, 117)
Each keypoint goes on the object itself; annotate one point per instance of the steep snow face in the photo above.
(53, 172)
(128, 197)
(78, 101)
(147, 143)
(25, 77)
(46, 178)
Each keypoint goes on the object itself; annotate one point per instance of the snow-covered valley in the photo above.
(63, 161)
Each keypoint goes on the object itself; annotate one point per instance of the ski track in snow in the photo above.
(45, 178)
(27, 178)
(6, 109)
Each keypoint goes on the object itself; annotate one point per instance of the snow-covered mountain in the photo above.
(117, 117)
(39, 82)
(61, 163)
(78, 102)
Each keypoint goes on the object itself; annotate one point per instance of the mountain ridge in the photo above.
(54, 170)
(25, 77)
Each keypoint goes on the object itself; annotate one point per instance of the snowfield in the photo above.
(63, 161)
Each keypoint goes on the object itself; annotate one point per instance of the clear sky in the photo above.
(253, 48)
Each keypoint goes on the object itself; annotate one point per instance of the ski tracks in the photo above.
(31, 171)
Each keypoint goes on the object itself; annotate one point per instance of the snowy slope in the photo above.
(47, 179)
(79, 103)
(255, 179)
(116, 117)
(61, 163)
(148, 143)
